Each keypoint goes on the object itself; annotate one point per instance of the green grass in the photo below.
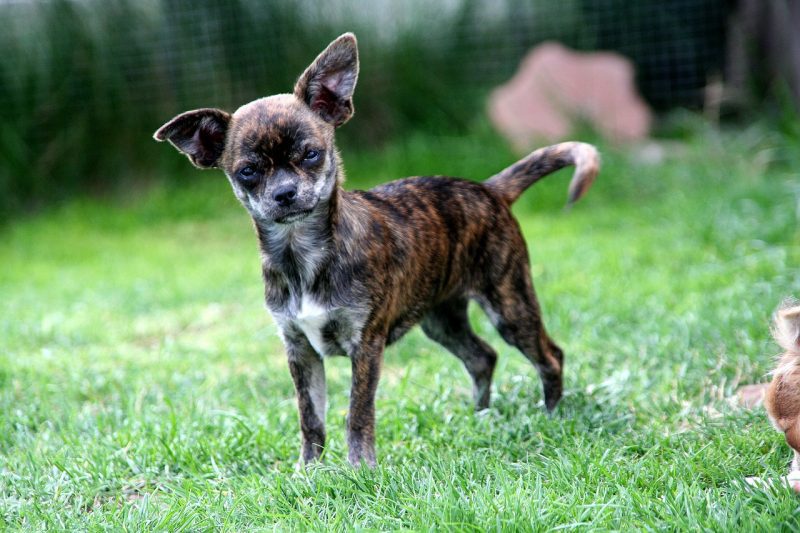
(143, 385)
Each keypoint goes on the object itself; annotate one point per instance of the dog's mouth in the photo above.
(293, 217)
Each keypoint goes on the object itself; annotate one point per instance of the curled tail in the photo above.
(786, 330)
(512, 182)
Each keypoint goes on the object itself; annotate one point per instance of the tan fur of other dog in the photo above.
(782, 400)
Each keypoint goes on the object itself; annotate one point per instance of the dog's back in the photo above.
(443, 238)
(439, 237)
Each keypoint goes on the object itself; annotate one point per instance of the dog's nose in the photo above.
(285, 195)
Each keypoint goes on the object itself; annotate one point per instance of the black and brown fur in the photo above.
(349, 272)
(782, 399)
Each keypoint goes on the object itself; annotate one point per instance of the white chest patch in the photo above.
(311, 318)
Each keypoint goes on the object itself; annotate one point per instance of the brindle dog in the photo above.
(349, 272)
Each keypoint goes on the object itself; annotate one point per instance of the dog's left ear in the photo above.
(200, 134)
(328, 83)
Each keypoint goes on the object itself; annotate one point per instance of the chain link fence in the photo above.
(83, 83)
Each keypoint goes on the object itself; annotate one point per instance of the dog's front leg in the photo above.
(308, 372)
(366, 364)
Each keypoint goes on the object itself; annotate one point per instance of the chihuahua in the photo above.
(782, 399)
(349, 272)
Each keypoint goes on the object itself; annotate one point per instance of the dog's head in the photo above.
(278, 152)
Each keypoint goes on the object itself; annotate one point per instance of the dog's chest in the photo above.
(329, 330)
(313, 320)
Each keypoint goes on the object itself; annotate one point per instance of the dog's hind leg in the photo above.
(448, 325)
(512, 307)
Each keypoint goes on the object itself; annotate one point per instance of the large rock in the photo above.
(555, 88)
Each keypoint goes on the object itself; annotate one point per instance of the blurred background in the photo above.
(84, 83)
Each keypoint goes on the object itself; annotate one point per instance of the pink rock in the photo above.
(555, 87)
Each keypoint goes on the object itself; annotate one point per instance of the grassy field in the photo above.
(143, 385)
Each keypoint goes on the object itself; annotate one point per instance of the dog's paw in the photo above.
(792, 480)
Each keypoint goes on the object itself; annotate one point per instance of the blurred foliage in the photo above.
(689, 49)
(84, 84)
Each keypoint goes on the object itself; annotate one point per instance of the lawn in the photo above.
(143, 385)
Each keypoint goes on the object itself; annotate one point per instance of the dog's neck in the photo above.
(298, 251)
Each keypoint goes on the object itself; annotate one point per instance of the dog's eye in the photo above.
(311, 156)
(247, 176)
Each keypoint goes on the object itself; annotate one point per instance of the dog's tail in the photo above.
(512, 182)
(786, 330)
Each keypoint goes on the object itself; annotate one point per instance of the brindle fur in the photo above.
(349, 272)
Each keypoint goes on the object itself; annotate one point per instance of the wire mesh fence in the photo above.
(83, 83)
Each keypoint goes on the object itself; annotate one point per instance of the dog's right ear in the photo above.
(786, 326)
(328, 83)
(200, 134)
